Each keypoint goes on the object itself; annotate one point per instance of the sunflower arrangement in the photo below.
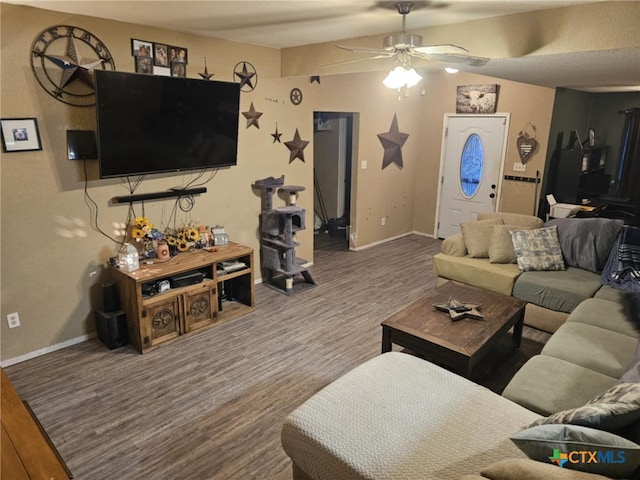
(143, 229)
(183, 238)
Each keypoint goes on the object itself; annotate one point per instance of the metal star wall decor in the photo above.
(315, 78)
(392, 142)
(276, 136)
(63, 58)
(206, 75)
(247, 75)
(296, 147)
(252, 116)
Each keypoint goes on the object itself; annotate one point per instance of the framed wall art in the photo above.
(20, 134)
(140, 48)
(477, 98)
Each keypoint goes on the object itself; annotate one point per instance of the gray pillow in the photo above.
(613, 410)
(537, 249)
(563, 445)
(586, 242)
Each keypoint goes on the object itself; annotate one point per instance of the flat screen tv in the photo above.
(153, 124)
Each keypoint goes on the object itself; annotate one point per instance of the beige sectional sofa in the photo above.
(397, 417)
(550, 295)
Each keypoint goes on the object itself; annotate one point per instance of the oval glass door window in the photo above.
(471, 165)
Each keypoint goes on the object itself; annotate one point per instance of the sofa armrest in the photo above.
(454, 245)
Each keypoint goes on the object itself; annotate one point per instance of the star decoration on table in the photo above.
(206, 75)
(296, 147)
(459, 310)
(276, 136)
(247, 75)
(252, 116)
(392, 142)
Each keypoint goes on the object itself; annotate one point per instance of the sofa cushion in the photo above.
(632, 372)
(416, 406)
(603, 314)
(538, 249)
(520, 219)
(454, 245)
(561, 291)
(595, 348)
(500, 244)
(544, 442)
(527, 469)
(611, 411)
(607, 292)
(476, 236)
(496, 277)
(586, 242)
(547, 385)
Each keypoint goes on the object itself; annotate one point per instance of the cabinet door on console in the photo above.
(160, 321)
(201, 307)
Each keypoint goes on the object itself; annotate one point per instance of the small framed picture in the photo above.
(20, 134)
(182, 55)
(140, 48)
(144, 65)
(160, 55)
(178, 69)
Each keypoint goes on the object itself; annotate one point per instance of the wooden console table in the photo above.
(222, 295)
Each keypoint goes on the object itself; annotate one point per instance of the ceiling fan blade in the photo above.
(365, 50)
(440, 49)
(455, 58)
(357, 60)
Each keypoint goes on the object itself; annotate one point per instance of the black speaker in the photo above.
(81, 145)
(110, 297)
(112, 328)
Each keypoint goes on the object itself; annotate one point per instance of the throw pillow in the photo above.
(538, 249)
(476, 236)
(586, 242)
(500, 244)
(527, 469)
(580, 448)
(614, 409)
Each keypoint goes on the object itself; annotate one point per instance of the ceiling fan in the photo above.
(403, 46)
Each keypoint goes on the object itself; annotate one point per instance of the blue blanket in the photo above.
(623, 266)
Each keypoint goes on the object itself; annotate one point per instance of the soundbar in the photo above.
(175, 192)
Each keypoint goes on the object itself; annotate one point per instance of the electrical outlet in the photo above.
(519, 167)
(13, 320)
(383, 221)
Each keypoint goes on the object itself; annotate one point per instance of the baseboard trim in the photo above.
(390, 239)
(45, 350)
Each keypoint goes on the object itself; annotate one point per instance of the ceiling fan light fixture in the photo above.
(451, 70)
(402, 76)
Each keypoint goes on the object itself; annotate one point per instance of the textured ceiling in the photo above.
(280, 24)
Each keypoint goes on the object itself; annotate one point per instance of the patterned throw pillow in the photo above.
(614, 409)
(538, 249)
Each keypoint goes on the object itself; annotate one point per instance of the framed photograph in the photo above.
(20, 134)
(144, 65)
(178, 69)
(140, 48)
(160, 55)
(182, 55)
(477, 98)
(164, 71)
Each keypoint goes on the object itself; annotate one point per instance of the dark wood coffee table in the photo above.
(458, 345)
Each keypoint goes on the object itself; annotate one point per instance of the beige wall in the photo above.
(52, 260)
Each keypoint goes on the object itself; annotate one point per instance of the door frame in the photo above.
(443, 154)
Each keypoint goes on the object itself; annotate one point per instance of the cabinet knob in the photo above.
(493, 195)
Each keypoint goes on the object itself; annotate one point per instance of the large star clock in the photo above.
(63, 58)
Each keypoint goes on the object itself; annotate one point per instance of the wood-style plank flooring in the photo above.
(211, 405)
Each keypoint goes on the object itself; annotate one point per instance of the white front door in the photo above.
(471, 166)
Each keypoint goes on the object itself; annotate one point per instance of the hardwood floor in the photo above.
(211, 405)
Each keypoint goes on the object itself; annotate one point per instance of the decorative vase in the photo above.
(162, 251)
